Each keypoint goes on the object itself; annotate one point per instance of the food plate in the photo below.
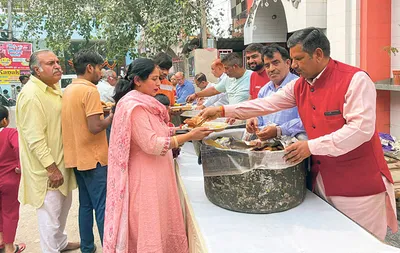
(215, 126)
(181, 108)
(236, 124)
(182, 131)
(187, 107)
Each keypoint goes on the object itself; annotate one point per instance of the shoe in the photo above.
(1, 246)
(19, 247)
(71, 246)
(94, 249)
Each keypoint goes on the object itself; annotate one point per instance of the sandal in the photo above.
(19, 247)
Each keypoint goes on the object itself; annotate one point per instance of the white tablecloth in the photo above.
(313, 226)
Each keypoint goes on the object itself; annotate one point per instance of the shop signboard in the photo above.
(14, 61)
(15, 55)
(9, 76)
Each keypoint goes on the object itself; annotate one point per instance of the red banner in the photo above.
(15, 55)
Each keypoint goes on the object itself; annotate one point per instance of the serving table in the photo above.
(313, 226)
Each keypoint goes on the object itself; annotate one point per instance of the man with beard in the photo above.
(255, 62)
(85, 143)
(286, 122)
(337, 105)
(46, 184)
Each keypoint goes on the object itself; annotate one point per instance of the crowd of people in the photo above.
(122, 161)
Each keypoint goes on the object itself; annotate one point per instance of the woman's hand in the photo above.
(199, 133)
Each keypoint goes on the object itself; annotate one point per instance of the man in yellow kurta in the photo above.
(45, 182)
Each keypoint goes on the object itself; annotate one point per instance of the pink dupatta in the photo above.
(116, 225)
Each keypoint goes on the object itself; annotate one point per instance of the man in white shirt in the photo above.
(216, 100)
(106, 86)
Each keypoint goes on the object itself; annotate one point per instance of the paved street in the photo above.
(28, 228)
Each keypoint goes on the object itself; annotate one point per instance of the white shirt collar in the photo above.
(311, 82)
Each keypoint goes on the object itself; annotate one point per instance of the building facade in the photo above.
(358, 30)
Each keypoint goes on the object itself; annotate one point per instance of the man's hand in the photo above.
(55, 176)
(211, 113)
(200, 101)
(297, 152)
(191, 98)
(110, 117)
(252, 125)
(230, 121)
(200, 107)
(267, 133)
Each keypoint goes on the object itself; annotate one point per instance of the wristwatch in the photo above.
(278, 132)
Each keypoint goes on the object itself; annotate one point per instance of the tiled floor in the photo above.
(394, 239)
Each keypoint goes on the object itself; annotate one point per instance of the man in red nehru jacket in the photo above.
(337, 105)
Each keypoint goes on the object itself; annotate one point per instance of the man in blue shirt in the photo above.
(286, 122)
(184, 88)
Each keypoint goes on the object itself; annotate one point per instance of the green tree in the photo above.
(112, 26)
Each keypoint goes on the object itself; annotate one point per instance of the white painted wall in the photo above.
(202, 63)
(263, 29)
(395, 64)
(395, 113)
(295, 17)
(267, 29)
(343, 30)
(308, 13)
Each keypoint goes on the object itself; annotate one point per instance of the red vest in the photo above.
(357, 173)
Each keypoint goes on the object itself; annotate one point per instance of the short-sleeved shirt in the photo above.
(236, 88)
(82, 149)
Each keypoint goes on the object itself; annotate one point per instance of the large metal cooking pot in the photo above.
(252, 181)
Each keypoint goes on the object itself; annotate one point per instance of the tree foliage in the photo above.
(115, 27)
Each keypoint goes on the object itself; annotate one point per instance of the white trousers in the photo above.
(52, 217)
(374, 213)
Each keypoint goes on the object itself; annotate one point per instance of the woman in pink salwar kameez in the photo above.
(143, 212)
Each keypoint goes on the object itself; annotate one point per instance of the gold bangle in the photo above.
(176, 144)
(222, 109)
